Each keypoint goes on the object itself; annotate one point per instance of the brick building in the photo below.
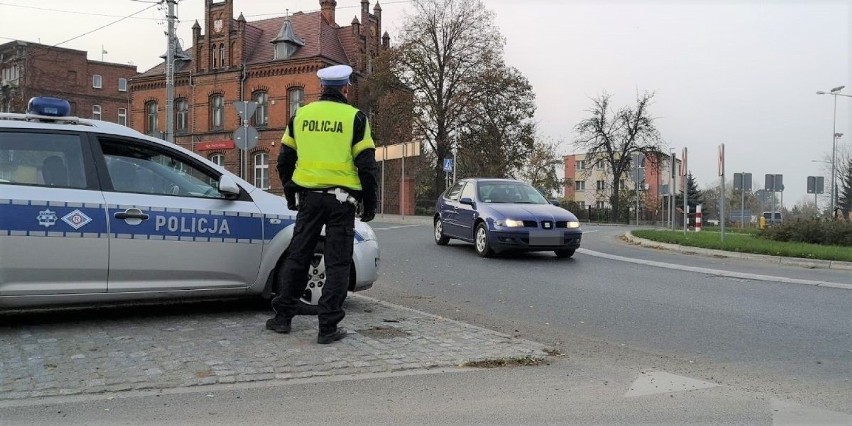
(272, 62)
(590, 185)
(94, 89)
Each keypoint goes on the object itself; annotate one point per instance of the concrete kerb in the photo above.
(407, 219)
(805, 263)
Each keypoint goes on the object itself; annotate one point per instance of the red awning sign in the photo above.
(215, 145)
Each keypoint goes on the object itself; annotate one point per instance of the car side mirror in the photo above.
(555, 202)
(229, 187)
(467, 200)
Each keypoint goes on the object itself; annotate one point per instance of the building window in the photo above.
(218, 159)
(217, 112)
(96, 112)
(600, 204)
(122, 116)
(601, 185)
(622, 185)
(579, 185)
(297, 99)
(122, 84)
(261, 170)
(181, 115)
(581, 204)
(261, 115)
(222, 55)
(581, 164)
(599, 166)
(213, 57)
(97, 81)
(151, 124)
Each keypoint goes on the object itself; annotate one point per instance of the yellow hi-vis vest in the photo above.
(323, 132)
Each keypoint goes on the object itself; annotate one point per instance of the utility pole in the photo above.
(170, 72)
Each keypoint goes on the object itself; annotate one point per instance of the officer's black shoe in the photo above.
(278, 324)
(324, 339)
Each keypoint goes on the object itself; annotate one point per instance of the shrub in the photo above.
(837, 233)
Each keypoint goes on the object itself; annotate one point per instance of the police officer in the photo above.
(336, 166)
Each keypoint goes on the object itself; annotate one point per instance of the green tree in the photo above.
(694, 195)
(540, 168)
(845, 200)
(610, 137)
(498, 134)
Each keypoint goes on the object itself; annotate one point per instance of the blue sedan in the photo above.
(499, 215)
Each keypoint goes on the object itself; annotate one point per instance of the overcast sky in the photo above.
(742, 73)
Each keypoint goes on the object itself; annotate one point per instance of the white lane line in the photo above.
(396, 227)
(589, 232)
(719, 272)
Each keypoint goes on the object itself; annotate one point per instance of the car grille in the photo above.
(561, 224)
(530, 224)
(547, 224)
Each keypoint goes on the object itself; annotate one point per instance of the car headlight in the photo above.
(573, 224)
(510, 223)
(366, 232)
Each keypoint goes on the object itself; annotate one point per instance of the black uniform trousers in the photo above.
(315, 210)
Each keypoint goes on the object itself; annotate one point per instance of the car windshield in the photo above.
(509, 192)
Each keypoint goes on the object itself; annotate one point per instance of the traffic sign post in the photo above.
(816, 186)
(721, 166)
(245, 137)
(742, 181)
(448, 168)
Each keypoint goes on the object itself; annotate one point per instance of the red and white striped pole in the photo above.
(698, 218)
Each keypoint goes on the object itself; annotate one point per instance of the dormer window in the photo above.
(287, 42)
(284, 51)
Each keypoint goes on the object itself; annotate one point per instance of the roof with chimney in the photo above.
(314, 36)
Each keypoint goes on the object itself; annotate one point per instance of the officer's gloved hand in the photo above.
(368, 215)
(291, 201)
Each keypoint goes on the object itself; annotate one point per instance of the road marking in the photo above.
(790, 413)
(718, 272)
(657, 382)
(396, 227)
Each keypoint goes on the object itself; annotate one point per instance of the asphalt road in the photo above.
(756, 335)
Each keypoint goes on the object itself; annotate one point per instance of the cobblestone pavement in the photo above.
(45, 354)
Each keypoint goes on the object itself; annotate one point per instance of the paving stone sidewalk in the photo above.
(119, 353)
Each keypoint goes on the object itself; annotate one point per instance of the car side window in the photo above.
(453, 193)
(469, 191)
(42, 159)
(144, 169)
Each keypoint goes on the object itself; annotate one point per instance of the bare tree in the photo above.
(609, 137)
(445, 46)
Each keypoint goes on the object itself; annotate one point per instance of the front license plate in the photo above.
(547, 238)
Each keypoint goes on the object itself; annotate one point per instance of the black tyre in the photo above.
(564, 254)
(440, 238)
(480, 241)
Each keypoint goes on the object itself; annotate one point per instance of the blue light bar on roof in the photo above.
(50, 107)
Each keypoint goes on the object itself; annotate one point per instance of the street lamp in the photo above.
(834, 92)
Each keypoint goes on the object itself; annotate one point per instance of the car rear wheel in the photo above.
(564, 254)
(480, 241)
(440, 239)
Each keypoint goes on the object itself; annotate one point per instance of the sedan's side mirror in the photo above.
(229, 187)
(555, 202)
(467, 201)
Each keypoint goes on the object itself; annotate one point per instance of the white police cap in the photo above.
(335, 75)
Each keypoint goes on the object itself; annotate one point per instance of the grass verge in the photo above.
(747, 243)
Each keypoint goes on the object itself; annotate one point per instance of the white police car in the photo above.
(94, 212)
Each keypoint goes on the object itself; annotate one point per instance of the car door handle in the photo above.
(131, 214)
